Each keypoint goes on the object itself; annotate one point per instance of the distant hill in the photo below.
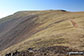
(37, 29)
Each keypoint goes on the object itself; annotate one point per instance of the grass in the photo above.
(56, 30)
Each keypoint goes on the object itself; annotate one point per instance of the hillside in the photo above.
(38, 29)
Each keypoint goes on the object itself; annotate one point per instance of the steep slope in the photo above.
(37, 29)
(19, 26)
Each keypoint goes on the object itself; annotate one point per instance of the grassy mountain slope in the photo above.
(39, 29)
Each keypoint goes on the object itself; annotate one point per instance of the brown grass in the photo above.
(47, 28)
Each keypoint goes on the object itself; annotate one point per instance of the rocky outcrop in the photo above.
(45, 51)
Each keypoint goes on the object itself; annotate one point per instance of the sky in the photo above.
(8, 7)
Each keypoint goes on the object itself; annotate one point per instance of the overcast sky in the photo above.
(8, 7)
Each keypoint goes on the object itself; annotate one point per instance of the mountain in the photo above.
(38, 29)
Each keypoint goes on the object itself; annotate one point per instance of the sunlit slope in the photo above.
(47, 28)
